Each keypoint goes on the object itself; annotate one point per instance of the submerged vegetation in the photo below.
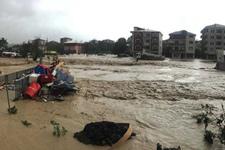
(214, 123)
(58, 130)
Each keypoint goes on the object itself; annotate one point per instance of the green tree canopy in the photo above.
(25, 49)
(54, 46)
(120, 46)
(3, 43)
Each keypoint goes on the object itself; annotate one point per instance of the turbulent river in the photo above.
(158, 99)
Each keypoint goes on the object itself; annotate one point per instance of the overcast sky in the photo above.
(21, 20)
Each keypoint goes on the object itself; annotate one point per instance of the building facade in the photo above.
(181, 44)
(73, 48)
(146, 41)
(213, 39)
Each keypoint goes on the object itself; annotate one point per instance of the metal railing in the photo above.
(16, 83)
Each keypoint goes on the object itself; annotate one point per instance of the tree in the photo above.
(199, 49)
(36, 51)
(54, 46)
(120, 46)
(25, 49)
(106, 46)
(99, 47)
(3, 44)
(91, 47)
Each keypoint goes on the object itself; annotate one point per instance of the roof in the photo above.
(182, 32)
(215, 26)
(138, 29)
(66, 38)
(72, 43)
(39, 39)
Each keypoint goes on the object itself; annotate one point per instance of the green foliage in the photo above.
(37, 49)
(120, 46)
(209, 136)
(216, 122)
(25, 49)
(99, 47)
(3, 43)
(26, 123)
(57, 129)
(54, 46)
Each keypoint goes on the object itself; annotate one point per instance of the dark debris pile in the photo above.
(102, 133)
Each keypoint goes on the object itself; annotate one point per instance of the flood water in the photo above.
(177, 88)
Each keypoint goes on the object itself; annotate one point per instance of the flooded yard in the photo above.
(158, 99)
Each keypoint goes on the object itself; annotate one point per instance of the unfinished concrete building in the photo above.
(146, 41)
(213, 39)
(182, 44)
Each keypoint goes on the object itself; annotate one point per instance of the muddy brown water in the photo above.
(157, 98)
(166, 95)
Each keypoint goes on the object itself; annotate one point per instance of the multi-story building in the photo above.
(182, 44)
(73, 48)
(213, 39)
(146, 41)
(65, 39)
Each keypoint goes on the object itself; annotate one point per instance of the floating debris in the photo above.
(26, 123)
(12, 110)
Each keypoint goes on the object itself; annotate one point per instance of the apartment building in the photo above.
(182, 44)
(73, 47)
(146, 41)
(213, 39)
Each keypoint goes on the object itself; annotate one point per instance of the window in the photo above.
(138, 48)
(218, 43)
(219, 31)
(147, 47)
(211, 43)
(191, 42)
(212, 37)
(147, 41)
(218, 37)
(212, 31)
(137, 41)
(190, 48)
(176, 42)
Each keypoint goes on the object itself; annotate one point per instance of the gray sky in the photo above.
(21, 20)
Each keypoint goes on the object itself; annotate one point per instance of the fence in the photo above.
(16, 83)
